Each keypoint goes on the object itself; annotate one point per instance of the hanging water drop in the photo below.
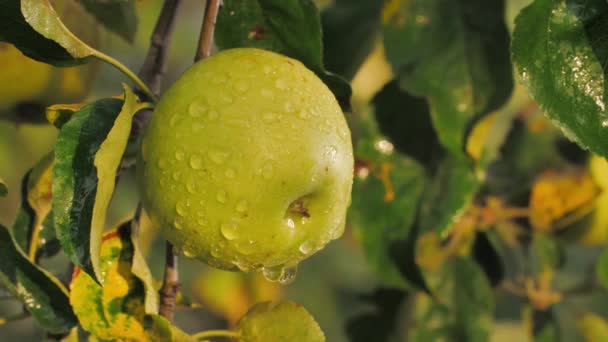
(229, 230)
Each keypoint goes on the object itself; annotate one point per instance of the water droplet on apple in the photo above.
(175, 175)
(280, 84)
(202, 222)
(226, 99)
(218, 157)
(306, 247)
(230, 173)
(281, 274)
(246, 247)
(179, 155)
(177, 224)
(303, 114)
(267, 171)
(196, 162)
(291, 223)
(242, 206)
(197, 109)
(191, 186)
(162, 164)
(241, 86)
(197, 127)
(267, 69)
(219, 79)
(189, 253)
(221, 196)
(180, 208)
(229, 230)
(215, 252)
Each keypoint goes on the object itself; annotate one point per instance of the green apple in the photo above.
(247, 162)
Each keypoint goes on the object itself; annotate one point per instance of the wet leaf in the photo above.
(41, 294)
(33, 220)
(560, 52)
(350, 28)
(454, 53)
(450, 193)
(386, 193)
(43, 18)
(119, 16)
(289, 27)
(16, 30)
(284, 321)
(88, 153)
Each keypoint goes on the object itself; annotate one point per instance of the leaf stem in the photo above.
(110, 60)
(205, 41)
(217, 333)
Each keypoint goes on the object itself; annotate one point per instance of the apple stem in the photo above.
(152, 73)
(205, 41)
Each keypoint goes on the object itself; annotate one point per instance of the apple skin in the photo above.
(247, 162)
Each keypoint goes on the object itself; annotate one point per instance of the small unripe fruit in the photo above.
(247, 163)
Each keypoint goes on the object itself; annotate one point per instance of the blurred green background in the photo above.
(328, 284)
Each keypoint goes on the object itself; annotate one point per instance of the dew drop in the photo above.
(189, 253)
(191, 186)
(242, 206)
(202, 222)
(247, 247)
(280, 274)
(197, 109)
(180, 208)
(173, 121)
(179, 155)
(230, 173)
(175, 176)
(291, 223)
(163, 163)
(306, 247)
(303, 114)
(272, 273)
(226, 99)
(218, 157)
(229, 230)
(267, 69)
(221, 196)
(289, 275)
(197, 127)
(215, 252)
(267, 171)
(177, 224)
(196, 162)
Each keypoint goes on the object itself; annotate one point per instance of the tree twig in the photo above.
(152, 73)
(205, 42)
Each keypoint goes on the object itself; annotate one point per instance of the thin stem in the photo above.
(155, 64)
(110, 60)
(217, 333)
(205, 41)
(168, 292)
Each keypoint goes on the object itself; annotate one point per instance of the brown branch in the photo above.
(152, 73)
(205, 42)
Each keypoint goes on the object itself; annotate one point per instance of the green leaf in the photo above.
(487, 257)
(545, 327)
(3, 188)
(406, 121)
(350, 30)
(33, 220)
(450, 193)
(75, 177)
(42, 295)
(463, 309)
(15, 29)
(548, 253)
(289, 27)
(456, 54)
(43, 18)
(380, 322)
(560, 52)
(119, 16)
(385, 197)
(285, 321)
